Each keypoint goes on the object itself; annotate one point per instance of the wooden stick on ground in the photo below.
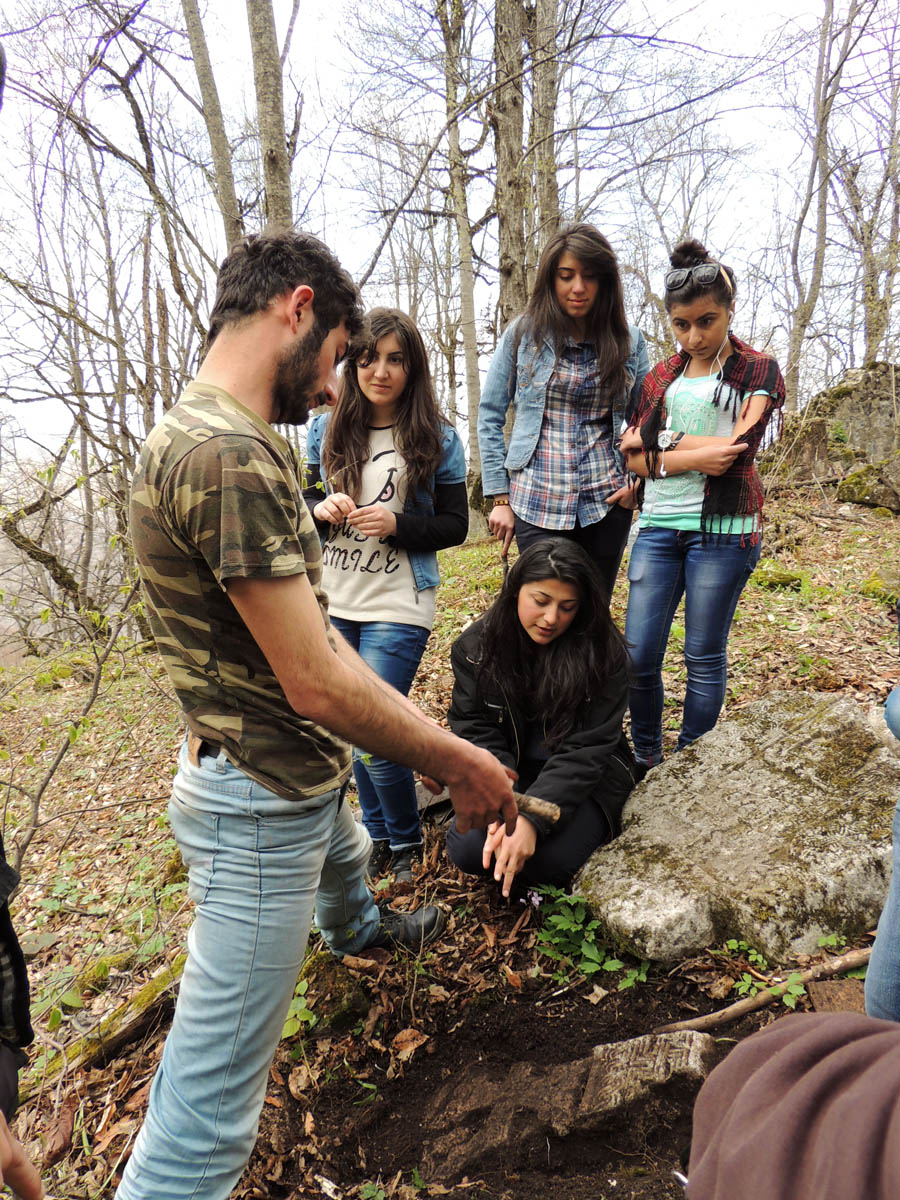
(822, 970)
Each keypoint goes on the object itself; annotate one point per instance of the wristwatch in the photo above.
(666, 436)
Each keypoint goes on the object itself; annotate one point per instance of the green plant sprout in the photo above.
(568, 935)
(299, 1015)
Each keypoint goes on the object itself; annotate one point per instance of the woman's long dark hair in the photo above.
(605, 325)
(552, 681)
(417, 423)
(691, 253)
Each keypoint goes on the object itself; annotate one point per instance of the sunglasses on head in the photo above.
(703, 273)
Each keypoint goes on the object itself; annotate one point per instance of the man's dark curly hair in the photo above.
(266, 265)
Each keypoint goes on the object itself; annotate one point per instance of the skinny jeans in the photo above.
(603, 541)
(387, 791)
(665, 565)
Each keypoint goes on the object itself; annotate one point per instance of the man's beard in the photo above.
(295, 375)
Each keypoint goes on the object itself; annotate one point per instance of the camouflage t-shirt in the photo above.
(217, 496)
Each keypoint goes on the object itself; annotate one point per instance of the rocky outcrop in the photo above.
(774, 828)
(877, 485)
(864, 409)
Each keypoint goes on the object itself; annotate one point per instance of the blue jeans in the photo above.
(883, 974)
(258, 865)
(387, 791)
(666, 564)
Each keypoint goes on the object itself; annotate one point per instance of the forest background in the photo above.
(433, 147)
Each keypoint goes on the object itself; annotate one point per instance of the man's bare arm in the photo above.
(284, 618)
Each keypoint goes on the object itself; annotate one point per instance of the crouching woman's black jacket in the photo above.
(594, 763)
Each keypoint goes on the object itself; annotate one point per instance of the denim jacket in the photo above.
(452, 469)
(534, 367)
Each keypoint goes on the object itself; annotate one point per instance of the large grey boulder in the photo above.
(775, 828)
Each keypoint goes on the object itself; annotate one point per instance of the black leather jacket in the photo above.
(593, 764)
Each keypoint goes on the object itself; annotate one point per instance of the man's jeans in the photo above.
(258, 865)
(883, 974)
(666, 564)
(387, 791)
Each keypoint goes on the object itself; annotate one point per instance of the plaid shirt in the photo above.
(573, 468)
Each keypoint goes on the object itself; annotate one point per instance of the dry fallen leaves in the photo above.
(407, 1042)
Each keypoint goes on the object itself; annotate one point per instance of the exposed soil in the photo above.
(485, 997)
(345, 1112)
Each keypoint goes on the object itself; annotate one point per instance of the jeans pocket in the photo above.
(635, 567)
(196, 835)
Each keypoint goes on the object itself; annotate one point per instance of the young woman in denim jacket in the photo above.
(394, 494)
(572, 367)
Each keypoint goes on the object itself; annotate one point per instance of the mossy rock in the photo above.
(771, 576)
(174, 871)
(773, 828)
(336, 994)
(844, 457)
(857, 487)
(877, 588)
(875, 486)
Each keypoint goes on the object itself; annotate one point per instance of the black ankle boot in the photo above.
(403, 862)
(379, 858)
(412, 930)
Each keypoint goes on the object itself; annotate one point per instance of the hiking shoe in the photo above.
(412, 930)
(379, 858)
(403, 861)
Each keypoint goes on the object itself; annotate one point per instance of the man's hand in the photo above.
(16, 1171)
(480, 789)
(334, 508)
(374, 520)
(352, 702)
(502, 524)
(510, 851)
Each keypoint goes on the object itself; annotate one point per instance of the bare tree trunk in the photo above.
(270, 114)
(866, 189)
(451, 14)
(215, 125)
(879, 256)
(542, 31)
(807, 281)
(507, 121)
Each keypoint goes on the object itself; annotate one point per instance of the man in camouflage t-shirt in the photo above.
(231, 566)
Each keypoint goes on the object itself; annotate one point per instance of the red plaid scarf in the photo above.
(739, 491)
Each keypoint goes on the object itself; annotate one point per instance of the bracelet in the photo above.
(501, 503)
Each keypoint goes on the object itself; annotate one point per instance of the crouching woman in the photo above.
(541, 681)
